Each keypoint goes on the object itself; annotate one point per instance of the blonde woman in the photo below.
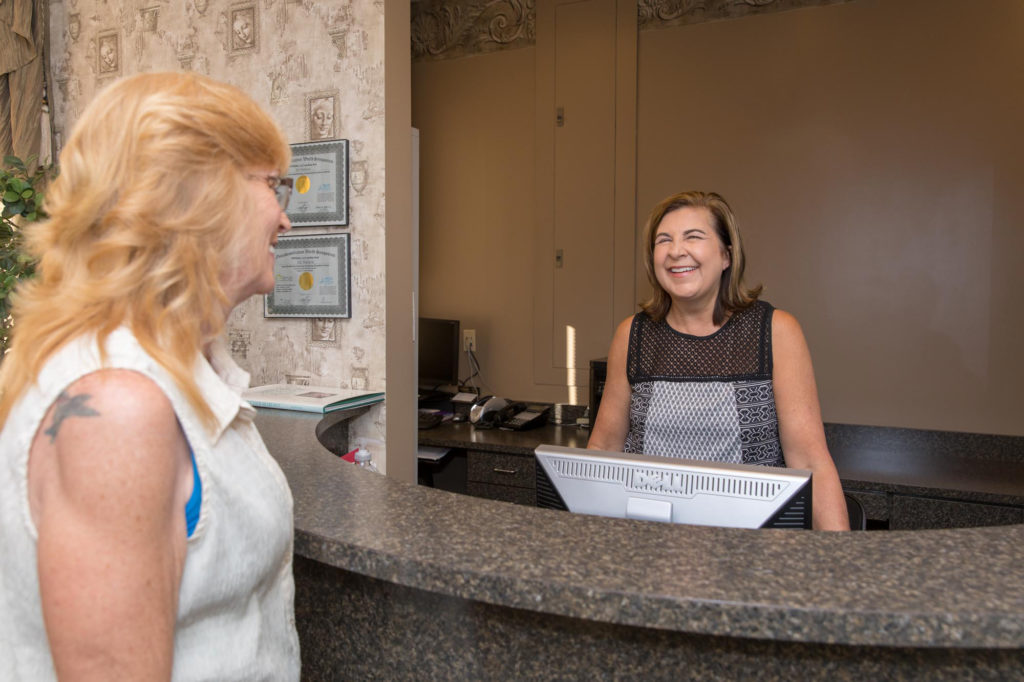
(146, 531)
(708, 371)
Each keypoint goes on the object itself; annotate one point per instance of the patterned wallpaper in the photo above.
(318, 68)
(445, 29)
(448, 29)
(665, 13)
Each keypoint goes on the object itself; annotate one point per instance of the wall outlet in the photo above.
(469, 339)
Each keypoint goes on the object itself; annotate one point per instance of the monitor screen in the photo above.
(438, 342)
(653, 488)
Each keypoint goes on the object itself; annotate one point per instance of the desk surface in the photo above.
(465, 435)
(957, 475)
(958, 589)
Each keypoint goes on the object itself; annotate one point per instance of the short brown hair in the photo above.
(733, 295)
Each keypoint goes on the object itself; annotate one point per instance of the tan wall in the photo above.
(866, 149)
(400, 348)
(870, 149)
(477, 203)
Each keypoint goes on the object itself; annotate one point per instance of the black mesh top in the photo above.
(740, 350)
(704, 397)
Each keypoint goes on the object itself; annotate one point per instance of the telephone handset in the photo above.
(491, 411)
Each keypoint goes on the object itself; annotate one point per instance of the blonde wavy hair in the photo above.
(733, 294)
(146, 219)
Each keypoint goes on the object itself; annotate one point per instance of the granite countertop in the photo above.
(967, 467)
(942, 588)
(964, 479)
(971, 467)
(464, 435)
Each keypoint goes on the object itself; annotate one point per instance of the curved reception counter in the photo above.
(397, 581)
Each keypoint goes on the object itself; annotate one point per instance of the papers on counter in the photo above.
(322, 399)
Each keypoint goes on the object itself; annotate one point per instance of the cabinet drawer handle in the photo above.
(504, 471)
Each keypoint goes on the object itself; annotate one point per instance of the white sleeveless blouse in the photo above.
(236, 603)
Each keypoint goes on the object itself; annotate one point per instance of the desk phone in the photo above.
(530, 417)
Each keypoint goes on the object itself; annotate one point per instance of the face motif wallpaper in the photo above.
(318, 68)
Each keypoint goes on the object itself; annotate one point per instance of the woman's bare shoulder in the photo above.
(115, 397)
(620, 340)
(626, 325)
(112, 421)
(786, 329)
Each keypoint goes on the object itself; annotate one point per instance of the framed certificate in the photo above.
(320, 173)
(311, 277)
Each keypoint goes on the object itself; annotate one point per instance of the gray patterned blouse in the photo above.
(704, 397)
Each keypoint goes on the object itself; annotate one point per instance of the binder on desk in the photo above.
(319, 399)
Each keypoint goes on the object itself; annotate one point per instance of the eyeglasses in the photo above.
(282, 187)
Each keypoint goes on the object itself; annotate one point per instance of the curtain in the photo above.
(22, 23)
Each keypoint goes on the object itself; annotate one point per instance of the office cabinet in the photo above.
(499, 476)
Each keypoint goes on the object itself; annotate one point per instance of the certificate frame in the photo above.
(319, 171)
(312, 277)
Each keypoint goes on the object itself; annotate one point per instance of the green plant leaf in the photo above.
(19, 191)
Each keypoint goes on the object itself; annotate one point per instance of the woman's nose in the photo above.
(285, 223)
(676, 248)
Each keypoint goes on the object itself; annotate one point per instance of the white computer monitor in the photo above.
(630, 486)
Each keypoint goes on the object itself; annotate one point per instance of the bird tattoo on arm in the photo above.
(69, 406)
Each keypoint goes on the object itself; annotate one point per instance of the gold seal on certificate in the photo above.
(311, 277)
(320, 170)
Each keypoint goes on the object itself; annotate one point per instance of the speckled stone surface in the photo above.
(463, 435)
(912, 513)
(358, 628)
(875, 463)
(946, 589)
(942, 444)
(876, 505)
(961, 466)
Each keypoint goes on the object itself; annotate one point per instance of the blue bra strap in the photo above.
(196, 500)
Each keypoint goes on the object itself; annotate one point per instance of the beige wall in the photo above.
(297, 51)
(864, 148)
(400, 346)
(871, 151)
(477, 204)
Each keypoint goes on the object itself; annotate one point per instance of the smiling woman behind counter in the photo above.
(706, 370)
